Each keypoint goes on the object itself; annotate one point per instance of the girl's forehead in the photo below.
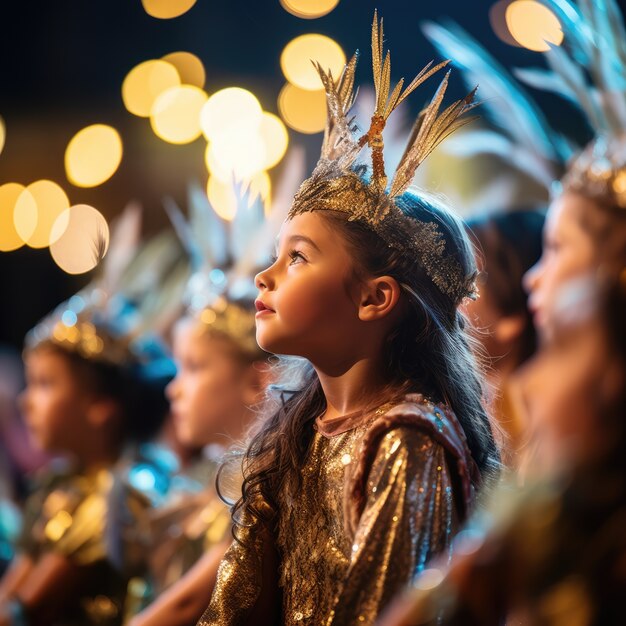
(306, 225)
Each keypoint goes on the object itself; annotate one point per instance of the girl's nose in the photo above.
(263, 280)
(170, 389)
(531, 277)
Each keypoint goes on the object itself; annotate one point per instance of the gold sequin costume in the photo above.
(192, 521)
(380, 496)
(94, 521)
(551, 554)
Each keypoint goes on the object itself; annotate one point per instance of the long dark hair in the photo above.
(428, 352)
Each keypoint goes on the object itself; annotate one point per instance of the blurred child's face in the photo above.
(307, 305)
(53, 402)
(485, 316)
(212, 389)
(568, 252)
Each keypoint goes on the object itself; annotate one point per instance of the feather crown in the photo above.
(589, 72)
(111, 319)
(335, 185)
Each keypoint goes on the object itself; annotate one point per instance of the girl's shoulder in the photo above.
(73, 514)
(416, 412)
(436, 420)
(417, 423)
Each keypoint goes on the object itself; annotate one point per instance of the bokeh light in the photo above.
(230, 109)
(533, 25)
(175, 115)
(145, 83)
(275, 138)
(81, 235)
(93, 155)
(260, 185)
(189, 67)
(222, 198)
(497, 19)
(9, 237)
(303, 110)
(3, 133)
(223, 195)
(295, 60)
(36, 210)
(309, 9)
(167, 9)
(239, 154)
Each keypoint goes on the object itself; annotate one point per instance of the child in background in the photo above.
(368, 462)
(221, 378)
(95, 384)
(507, 246)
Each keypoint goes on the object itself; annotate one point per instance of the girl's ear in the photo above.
(509, 328)
(101, 411)
(379, 297)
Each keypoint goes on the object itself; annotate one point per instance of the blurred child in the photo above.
(94, 383)
(221, 378)
(508, 245)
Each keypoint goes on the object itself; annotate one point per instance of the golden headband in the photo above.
(334, 185)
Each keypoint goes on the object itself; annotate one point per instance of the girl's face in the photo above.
(487, 318)
(307, 304)
(212, 389)
(54, 404)
(568, 252)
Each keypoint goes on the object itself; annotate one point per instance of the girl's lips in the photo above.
(261, 308)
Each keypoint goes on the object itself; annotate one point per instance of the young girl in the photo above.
(507, 246)
(220, 379)
(93, 385)
(366, 467)
(575, 389)
(552, 553)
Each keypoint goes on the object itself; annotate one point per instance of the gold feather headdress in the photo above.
(114, 318)
(334, 184)
(589, 71)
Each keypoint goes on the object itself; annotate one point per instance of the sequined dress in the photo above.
(380, 495)
(191, 520)
(92, 520)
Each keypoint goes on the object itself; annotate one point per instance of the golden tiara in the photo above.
(599, 172)
(334, 184)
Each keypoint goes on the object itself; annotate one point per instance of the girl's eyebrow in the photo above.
(303, 239)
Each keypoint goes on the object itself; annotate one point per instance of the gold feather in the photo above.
(430, 129)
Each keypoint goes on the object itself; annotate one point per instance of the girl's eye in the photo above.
(296, 257)
(40, 381)
(552, 246)
(189, 365)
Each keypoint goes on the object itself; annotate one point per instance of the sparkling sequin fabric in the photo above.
(93, 521)
(192, 521)
(379, 498)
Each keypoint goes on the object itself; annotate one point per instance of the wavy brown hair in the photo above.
(428, 352)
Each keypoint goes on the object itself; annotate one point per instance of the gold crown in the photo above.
(599, 172)
(235, 321)
(80, 326)
(334, 185)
